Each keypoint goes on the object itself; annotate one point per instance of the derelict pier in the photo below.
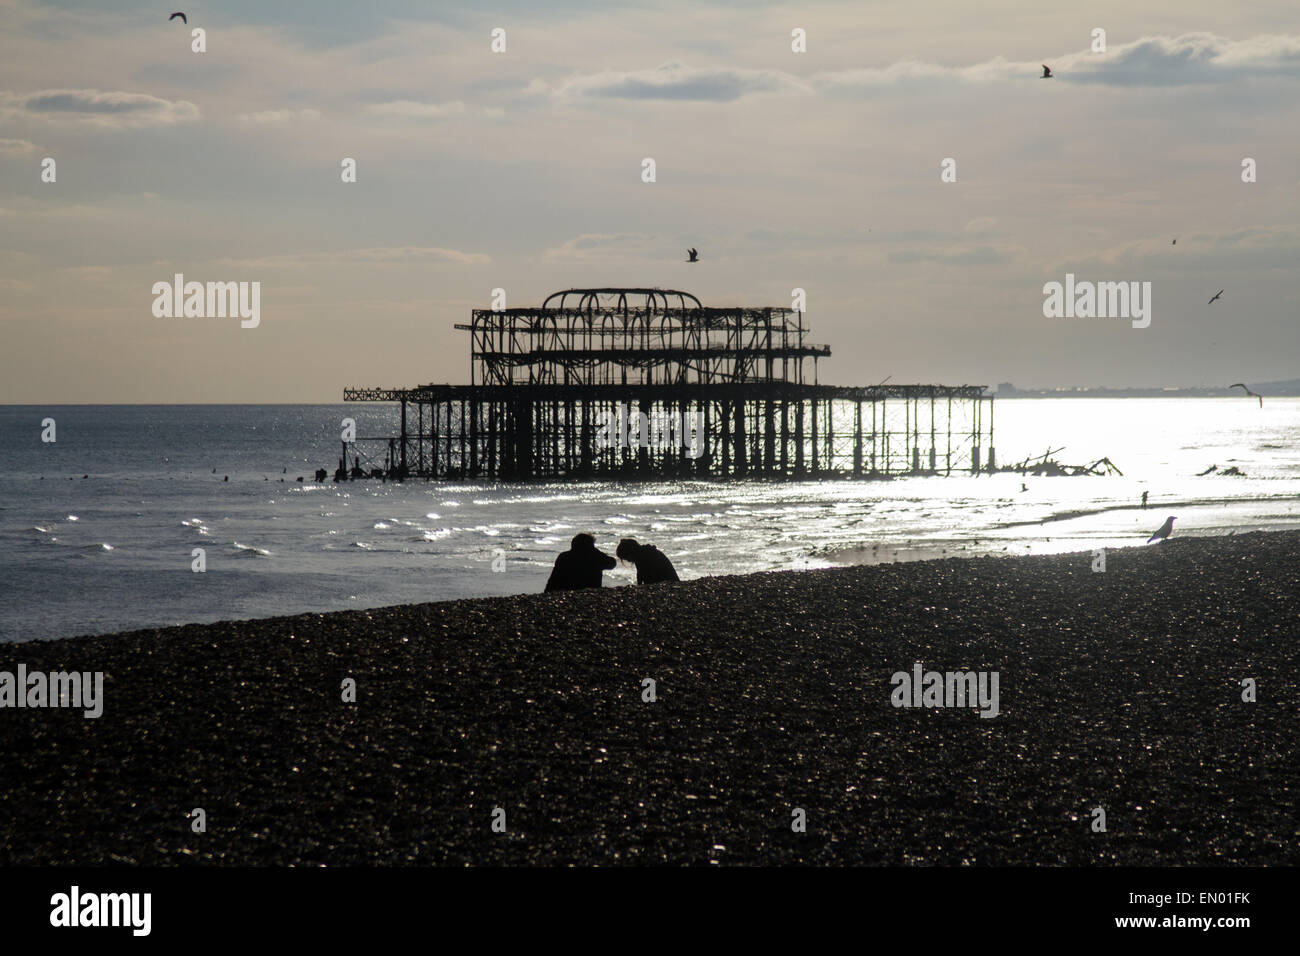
(651, 383)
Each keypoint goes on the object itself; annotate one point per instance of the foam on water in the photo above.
(365, 544)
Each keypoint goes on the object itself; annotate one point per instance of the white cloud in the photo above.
(377, 254)
(673, 81)
(278, 117)
(412, 109)
(1151, 61)
(593, 246)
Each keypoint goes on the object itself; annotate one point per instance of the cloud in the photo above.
(277, 117)
(1192, 58)
(111, 108)
(961, 256)
(1239, 250)
(417, 254)
(88, 273)
(673, 81)
(412, 109)
(592, 246)
(46, 210)
(378, 254)
(16, 146)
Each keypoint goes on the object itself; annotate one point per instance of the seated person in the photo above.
(582, 566)
(652, 565)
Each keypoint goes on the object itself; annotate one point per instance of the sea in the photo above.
(102, 529)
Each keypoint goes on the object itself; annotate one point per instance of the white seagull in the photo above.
(1165, 531)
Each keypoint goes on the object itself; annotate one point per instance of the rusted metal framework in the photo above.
(561, 391)
(604, 337)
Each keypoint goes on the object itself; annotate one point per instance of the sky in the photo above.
(522, 170)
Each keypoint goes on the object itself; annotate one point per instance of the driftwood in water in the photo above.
(1046, 465)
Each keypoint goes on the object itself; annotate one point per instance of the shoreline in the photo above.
(773, 693)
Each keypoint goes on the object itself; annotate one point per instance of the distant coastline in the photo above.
(1284, 389)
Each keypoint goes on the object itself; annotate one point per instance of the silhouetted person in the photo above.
(581, 566)
(1144, 499)
(652, 565)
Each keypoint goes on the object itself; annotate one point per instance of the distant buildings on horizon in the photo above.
(1286, 388)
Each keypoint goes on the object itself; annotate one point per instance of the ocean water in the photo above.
(113, 550)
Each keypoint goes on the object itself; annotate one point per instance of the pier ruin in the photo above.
(607, 383)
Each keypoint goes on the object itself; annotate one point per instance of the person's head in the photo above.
(582, 542)
(628, 549)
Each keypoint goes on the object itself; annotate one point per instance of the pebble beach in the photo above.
(1120, 690)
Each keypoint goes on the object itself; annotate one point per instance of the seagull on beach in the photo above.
(1249, 392)
(694, 255)
(184, 18)
(1216, 295)
(1047, 72)
(1165, 531)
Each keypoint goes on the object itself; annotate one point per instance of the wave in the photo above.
(247, 550)
(1154, 506)
(84, 551)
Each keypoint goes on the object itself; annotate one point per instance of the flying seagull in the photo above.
(1249, 392)
(1047, 72)
(1216, 295)
(1165, 531)
(694, 255)
(184, 18)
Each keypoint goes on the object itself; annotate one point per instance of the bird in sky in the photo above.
(1047, 72)
(1165, 531)
(1216, 295)
(694, 255)
(1249, 392)
(184, 18)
